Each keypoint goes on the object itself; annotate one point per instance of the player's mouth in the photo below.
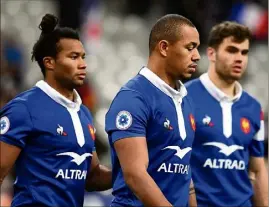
(193, 67)
(81, 75)
(237, 68)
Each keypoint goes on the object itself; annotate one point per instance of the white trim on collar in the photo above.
(217, 93)
(164, 87)
(59, 98)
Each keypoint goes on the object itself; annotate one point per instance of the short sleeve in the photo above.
(16, 124)
(128, 116)
(257, 144)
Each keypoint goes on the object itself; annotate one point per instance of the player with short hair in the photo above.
(150, 122)
(47, 132)
(229, 138)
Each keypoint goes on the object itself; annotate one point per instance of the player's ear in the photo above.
(211, 54)
(163, 47)
(49, 63)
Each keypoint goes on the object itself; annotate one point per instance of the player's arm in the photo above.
(260, 181)
(126, 123)
(257, 170)
(16, 127)
(133, 157)
(192, 196)
(9, 155)
(99, 177)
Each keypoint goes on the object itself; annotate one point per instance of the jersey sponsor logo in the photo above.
(192, 120)
(207, 121)
(124, 120)
(4, 125)
(224, 163)
(176, 167)
(60, 131)
(167, 125)
(245, 125)
(227, 150)
(179, 152)
(73, 173)
(78, 159)
(92, 131)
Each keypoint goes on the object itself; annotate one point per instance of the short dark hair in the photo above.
(228, 29)
(47, 44)
(167, 28)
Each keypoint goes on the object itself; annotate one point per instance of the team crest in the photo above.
(4, 125)
(92, 131)
(192, 120)
(124, 120)
(245, 125)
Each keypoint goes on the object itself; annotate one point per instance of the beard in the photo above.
(225, 72)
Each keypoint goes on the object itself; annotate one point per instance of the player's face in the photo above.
(183, 55)
(232, 59)
(70, 66)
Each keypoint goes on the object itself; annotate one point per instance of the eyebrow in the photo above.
(77, 53)
(236, 48)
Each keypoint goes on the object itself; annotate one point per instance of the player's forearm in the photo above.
(192, 196)
(100, 179)
(260, 186)
(145, 188)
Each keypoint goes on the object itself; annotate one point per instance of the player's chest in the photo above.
(63, 130)
(222, 122)
(173, 122)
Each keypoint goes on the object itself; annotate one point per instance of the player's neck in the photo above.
(160, 72)
(68, 93)
(226, 87)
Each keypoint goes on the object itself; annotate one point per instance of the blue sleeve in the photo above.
(16, 124)
(256, 148)
(128, 116)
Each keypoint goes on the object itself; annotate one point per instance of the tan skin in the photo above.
(176, 61)
(227, 65)
(170, 62)
(64, 73)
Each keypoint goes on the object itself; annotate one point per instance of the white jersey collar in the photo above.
(164, 87)
(217, 93)
(59, 98)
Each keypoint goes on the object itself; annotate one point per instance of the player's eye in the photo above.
(73, 57)
(244, 52)
(232, 50)
(190, 48)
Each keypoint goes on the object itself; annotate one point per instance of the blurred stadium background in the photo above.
(115, 35)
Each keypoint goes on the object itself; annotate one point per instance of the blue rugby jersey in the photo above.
(229, 130)
(147, 107)
(56, 137)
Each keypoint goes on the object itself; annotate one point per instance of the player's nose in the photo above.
(82, 64)
(238, 58)
(196, 56)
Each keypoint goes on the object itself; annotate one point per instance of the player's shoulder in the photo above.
(86, 111)
(24, 99)
(134, 88)
(250, 100)
(136, 84)
(193, 84)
